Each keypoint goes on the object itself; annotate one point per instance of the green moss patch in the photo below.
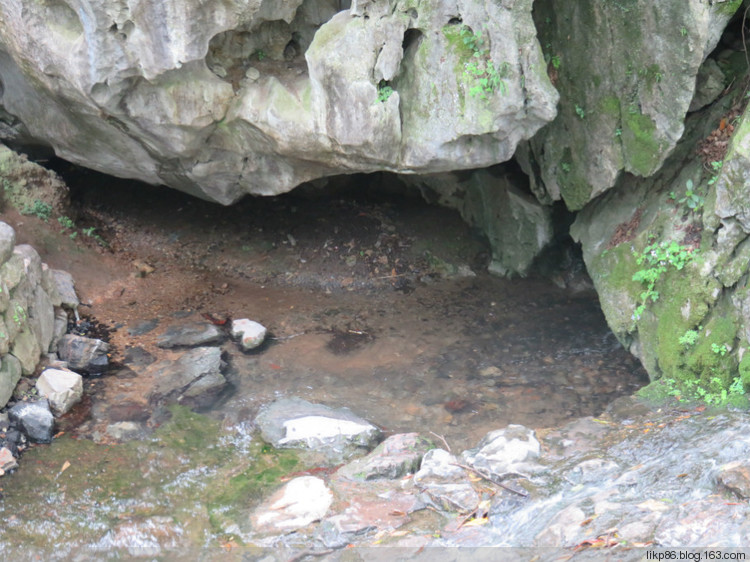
(642, 149)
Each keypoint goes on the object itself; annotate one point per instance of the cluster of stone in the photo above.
(35, 302)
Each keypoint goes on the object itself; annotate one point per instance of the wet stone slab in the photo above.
(296, 423)
(191, 335)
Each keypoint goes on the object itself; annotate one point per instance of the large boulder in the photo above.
(258, 97)
(626, 72)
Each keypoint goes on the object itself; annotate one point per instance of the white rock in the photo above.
(251, 333)
(320, 428)
(300, 502)
(513, 449)
(63, 389)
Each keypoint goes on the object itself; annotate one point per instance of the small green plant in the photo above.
(556, 61)
(384, 91)
(689, 338)
(580, 111)
(692, 199)
(715, 169)
(713, 393)
(657, 259)
(260, 54)
(721, 350)
(565, 167)
(66, 222)
(39, 209)
(486, 77)
(683, 31)
(618, 132)
(19, 314)
(89, 231)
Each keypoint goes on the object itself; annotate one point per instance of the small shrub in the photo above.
(39, 209)
(384, 91)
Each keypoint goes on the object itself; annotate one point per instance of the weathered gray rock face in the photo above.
(686, 228)
(626, 72)
(258, 96)
(517, 226)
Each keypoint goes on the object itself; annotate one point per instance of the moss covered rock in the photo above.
(626, 71)
(669, 258)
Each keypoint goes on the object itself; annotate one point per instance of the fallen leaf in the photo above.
(65, 466)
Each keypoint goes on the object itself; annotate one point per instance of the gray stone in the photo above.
(298, 503)
(292, 422)
(25, 348)
(32, 263)
(4, 337)
(87, 355)
(50, 286)
(12, 271)
(7, 241)
(709, 85)
(42, 318)
(63, 389)
(143, 327)
(396, 456)
(250, 333)
(66, 289)
(190, 335)
(59, 329)
(735, 477)
(10, 374)
(317, 108)
(194, 379)
(34, 419)
(4, 296)
(7, 461)
(514, 449)
(443, 484)
(138, 357)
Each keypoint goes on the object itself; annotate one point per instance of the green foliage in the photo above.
(689, 338)
(260, 54)
(580, 112)
(657, 259)
(713, 393)
(693, 199)
(565, 167)
(715, 169)
(487, 78)
(555, 59)
(384, 91)
(66, 222)
(39, 209)
(722, 349)
(19, 314)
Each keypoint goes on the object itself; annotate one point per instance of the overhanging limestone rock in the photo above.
(259, 96)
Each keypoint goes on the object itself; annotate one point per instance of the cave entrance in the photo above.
(375, 300)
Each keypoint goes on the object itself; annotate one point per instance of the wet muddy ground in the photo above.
(377, 303)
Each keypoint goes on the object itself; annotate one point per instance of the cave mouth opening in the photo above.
(375, 299)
